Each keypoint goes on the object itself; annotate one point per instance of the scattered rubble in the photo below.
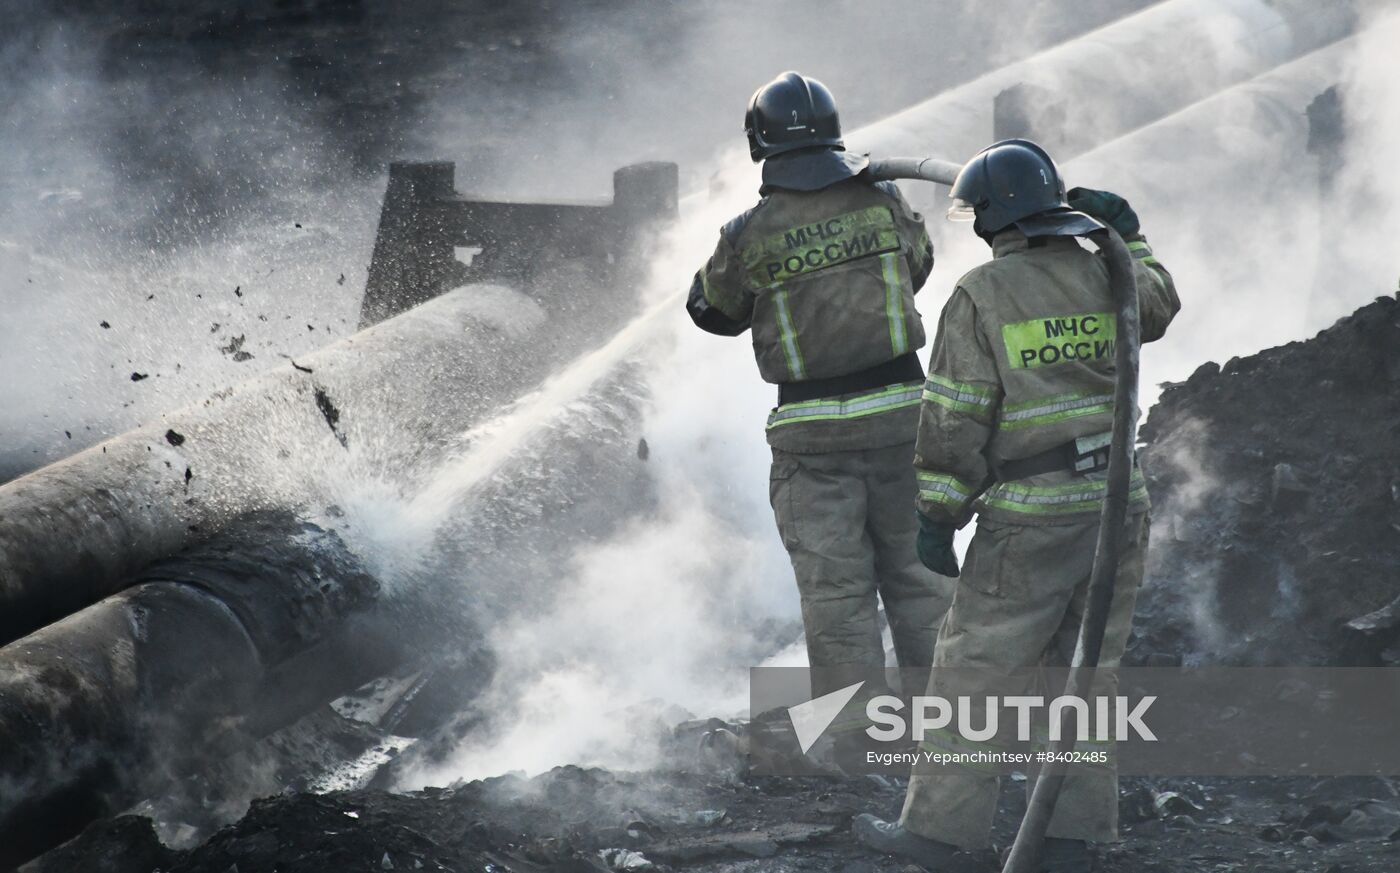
(331, 413)
(580, 820)
(1384, 619)
(570, 819)
(235, 348)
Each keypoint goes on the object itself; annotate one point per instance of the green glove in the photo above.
(935, 546)
(1107, 207)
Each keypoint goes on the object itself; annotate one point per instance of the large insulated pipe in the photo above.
(76, 530)
(1102, 84)
(1233, 172)
(103, 707)
(372, 406)
(375, 405)
(1262, 119)
(1183, 173)
(1123, 75)
(253, 629)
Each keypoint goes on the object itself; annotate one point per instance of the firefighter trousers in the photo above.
(847, 520)
(1018, 604)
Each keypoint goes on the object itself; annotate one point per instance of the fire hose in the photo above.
(1030, 837)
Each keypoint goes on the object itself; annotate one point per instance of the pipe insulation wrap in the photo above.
(1261, 120)
(378, 403)
(1255, 234)
(1103, 84)
(96, 709)
(1122, 76)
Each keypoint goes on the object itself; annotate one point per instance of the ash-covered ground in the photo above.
(700, 819)
(1307, 540)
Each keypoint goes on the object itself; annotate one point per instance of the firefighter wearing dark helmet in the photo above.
(823, 272)
(1014, 428)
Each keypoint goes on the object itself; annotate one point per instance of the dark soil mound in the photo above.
(1276, 500)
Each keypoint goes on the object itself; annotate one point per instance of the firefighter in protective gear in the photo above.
(1014, 427)
(823, 272)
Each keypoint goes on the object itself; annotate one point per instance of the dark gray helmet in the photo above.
(1016, 182)
(791, 112)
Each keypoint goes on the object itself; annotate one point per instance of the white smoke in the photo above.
(87, 239)
(674, 605)
(1361, 225)
(1244, 244)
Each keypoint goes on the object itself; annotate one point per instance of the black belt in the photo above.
(905, 368)
(1086, 454)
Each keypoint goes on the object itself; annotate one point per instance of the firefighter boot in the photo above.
(893, 839)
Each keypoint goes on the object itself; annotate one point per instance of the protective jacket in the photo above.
(1023, 363)
(824, 271)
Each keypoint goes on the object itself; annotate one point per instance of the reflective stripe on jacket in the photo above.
(1023, 362)
(825, 280)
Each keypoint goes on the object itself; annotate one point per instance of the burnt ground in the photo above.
(1267, 551)
(574, 819)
